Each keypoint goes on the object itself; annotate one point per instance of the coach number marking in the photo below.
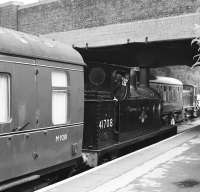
(60, 138)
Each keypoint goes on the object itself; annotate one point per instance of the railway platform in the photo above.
(170, 165)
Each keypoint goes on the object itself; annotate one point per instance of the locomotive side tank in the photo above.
(42, 105)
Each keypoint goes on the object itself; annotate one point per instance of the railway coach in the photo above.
(42, 106)
(179, 100)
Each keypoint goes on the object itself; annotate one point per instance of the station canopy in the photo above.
(149, 54)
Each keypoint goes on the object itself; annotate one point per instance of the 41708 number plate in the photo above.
(105, 123)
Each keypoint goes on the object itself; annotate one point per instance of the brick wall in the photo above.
(64, 15)
(8, 15)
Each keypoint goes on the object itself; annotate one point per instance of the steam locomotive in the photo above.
(55, 111)
(120, 109)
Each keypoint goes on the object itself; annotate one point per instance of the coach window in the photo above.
(59, 97)
(4, 98)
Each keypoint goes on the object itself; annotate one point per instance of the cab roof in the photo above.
(26, 45)
(166, 80)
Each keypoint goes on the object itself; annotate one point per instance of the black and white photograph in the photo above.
(100, 96)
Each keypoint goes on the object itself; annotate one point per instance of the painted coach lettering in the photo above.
(60, 138)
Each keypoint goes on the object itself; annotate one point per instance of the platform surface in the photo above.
(170, 165)
(179, 173)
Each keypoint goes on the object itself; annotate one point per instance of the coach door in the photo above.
(43, 99)
(17, 94)
(24, 96)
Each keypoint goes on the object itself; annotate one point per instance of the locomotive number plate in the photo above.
(105, 123)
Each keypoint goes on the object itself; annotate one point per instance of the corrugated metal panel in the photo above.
(17, 43)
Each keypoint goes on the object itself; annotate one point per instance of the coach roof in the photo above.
(26, 45)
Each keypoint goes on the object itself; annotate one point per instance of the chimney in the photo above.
(144, 77)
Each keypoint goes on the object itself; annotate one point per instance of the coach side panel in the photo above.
(34, 134)
(59, 85)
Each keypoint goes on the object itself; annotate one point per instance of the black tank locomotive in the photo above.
(120, 110)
